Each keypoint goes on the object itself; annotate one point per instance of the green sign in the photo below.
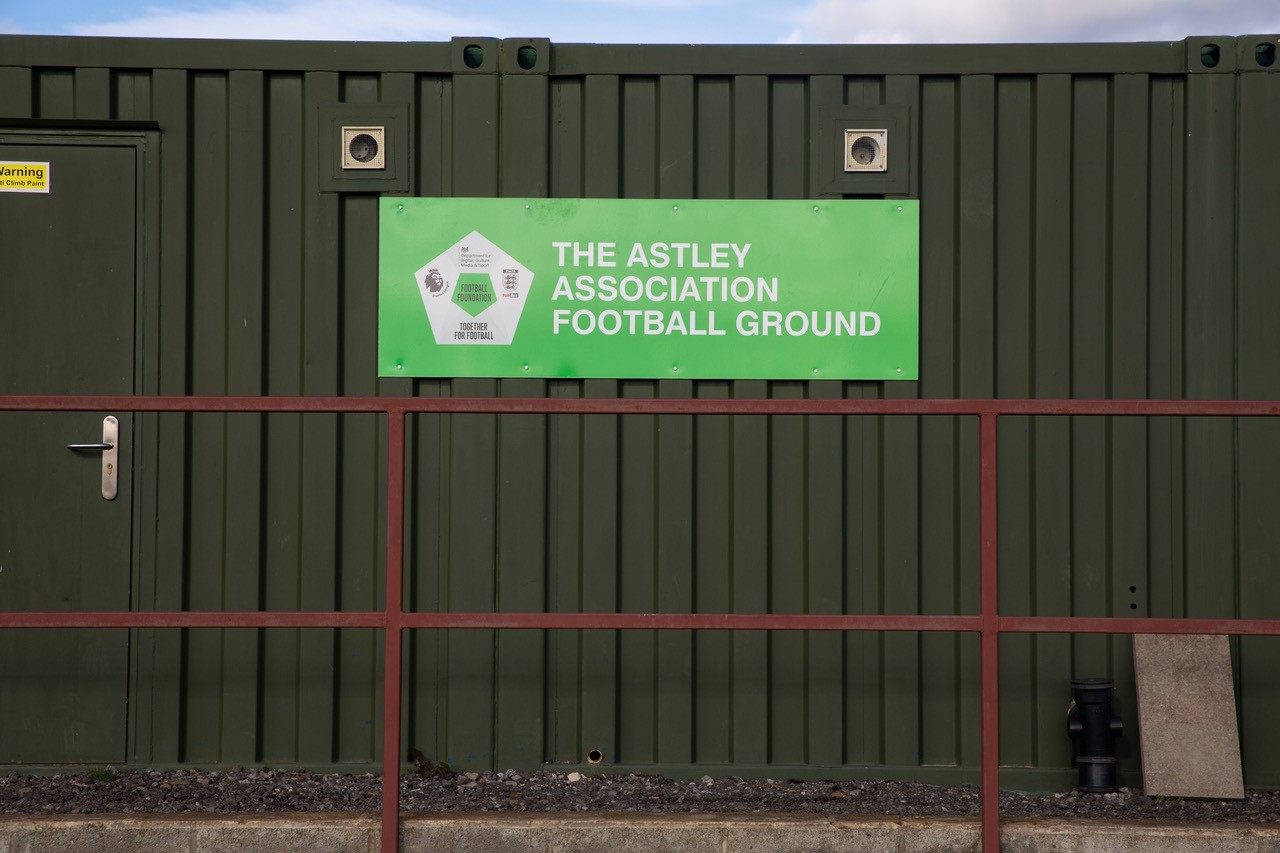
(642, 288)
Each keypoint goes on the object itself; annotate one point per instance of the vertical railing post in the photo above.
(990, 638)
(393, 612)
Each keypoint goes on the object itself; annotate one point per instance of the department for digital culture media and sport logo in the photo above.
(474, 292)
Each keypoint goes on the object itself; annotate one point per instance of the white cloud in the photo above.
(295, 19)
(942, 21)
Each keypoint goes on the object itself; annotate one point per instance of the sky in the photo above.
(652, 21)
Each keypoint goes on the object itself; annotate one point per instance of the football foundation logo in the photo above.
(474, 292)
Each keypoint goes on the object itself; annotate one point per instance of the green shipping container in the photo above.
(1096, 221)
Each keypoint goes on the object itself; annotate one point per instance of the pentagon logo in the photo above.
(474, 292)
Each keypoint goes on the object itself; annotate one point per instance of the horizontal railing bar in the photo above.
(643, 621)
(194, 619)
(625, 406)
(565, 621)
(694, 621)
(1135, 625)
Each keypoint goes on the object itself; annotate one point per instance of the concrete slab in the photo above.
(1140, 838)
(797, 834)
(941, 835)
(473, 834)
(300, 835)
(68, 834)
(637, 836)
(1033, 835)
(1187, 716)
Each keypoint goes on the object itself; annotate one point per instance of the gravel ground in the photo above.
(256, 790)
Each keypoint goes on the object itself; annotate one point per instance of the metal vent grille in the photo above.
(866, 150)
(364, 148)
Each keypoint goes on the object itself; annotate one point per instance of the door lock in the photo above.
(109, 447)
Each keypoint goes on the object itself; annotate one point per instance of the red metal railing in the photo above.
(394, 620)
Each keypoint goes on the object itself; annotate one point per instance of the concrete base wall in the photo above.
(612, 834)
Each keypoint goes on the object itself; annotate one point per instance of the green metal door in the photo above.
(66, 327)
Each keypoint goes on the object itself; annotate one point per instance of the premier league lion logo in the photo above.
(435, 283)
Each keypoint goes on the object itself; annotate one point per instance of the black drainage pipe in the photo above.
(1093, 728)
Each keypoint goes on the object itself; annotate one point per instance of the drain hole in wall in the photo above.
(595, 756)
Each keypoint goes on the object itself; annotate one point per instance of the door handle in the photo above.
(110, 450)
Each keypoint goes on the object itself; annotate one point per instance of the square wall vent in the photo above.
(866, 150)
(364, 147)
(849, 150)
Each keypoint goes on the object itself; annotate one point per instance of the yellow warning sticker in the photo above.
(16, 177)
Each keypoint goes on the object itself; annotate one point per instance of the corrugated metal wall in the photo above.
(1097, 221)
